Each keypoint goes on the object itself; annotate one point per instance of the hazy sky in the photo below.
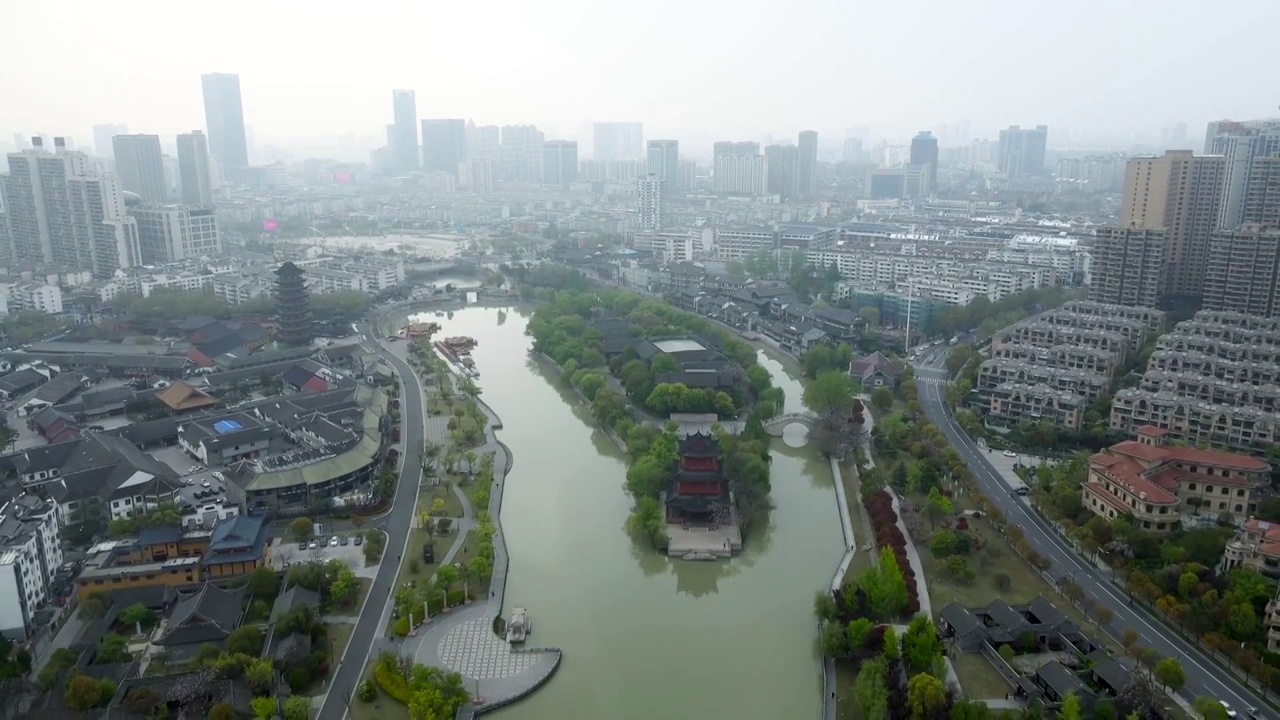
(689, 68)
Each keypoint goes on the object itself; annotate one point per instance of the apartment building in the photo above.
(1129, 266)
(954, 281)
(1154, 320)
(1037, 333)
(1067, 357)
(34, 297)
(1012, 402)
(673, 247)
(739, 244)
(234, 288)
(1242, 270)
(997, 371)
(30, 555)
(1211, 380)
(1156, 484)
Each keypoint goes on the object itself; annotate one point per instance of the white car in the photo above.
(193, 469)
(333, 541)
(1010, 453)
(206, 484)
(1226, 706)
(219, 476)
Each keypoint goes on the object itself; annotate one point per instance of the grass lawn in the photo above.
(996, 558)
(978, 679)
(339, 637)
(362, 594)
(384, 707)
(861, 533)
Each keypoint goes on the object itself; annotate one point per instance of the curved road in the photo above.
(373, 615)
(1204, 677)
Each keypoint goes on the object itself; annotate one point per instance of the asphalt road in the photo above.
(1203, 676)
(396, 523)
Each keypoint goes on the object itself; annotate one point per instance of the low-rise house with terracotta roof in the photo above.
(1157, 485)
(1256, 545)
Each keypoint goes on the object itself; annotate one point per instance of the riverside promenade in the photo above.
(462, 639)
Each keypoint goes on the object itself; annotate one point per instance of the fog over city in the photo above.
(1102, 73)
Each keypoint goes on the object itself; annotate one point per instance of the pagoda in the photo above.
(698, 493)
(293, 305)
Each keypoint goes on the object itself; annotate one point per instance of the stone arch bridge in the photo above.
(775, 425)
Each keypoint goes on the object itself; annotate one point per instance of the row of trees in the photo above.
(429, 692)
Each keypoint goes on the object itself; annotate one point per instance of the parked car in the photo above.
(1010, 453)
(219, 476)
(344, 540)
(359, 539)
(302, 545)
(206, 484)
(333, 541)
(312, 545)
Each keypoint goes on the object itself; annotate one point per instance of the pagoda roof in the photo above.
(698, 475)
(699, 445)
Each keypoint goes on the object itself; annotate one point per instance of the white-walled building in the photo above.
(650, 202)
(30, 554)
(170, 233)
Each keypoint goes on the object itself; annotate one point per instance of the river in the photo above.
(645, 636)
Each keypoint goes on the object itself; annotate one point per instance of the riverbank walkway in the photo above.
(462, 639)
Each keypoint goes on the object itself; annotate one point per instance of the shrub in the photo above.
(391, 681)
(1003, 583)
(400, 627)
(298, 678)
(367, 692)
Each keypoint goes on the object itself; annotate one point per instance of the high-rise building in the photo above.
(444, 145)
(688, 175)
(1262, 195)
(559, 162)
(402, 137)
(521, 154)
(293, 305)
(783, 162)
(140, 166)
(168, 233)
(1242, 144)
(924, 151)
(807, 179)
(224, 120)
(739, 168)
(664, 161)
(617, 141)
(1128, 266)
(193, 169)
(1242, 272)
(477, 175)
(651, 203)
(102, 134)
(1181, 194)
(852, 151)
(1022, 151)
(60, 211)
(484, 141)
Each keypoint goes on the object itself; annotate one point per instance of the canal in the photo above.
(645, 636)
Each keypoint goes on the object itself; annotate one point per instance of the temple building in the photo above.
(698, 493)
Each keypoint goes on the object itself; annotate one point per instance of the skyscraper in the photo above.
(224, 120)
(60, 211)
(924, 151)
(808, 168)
(140, 165)
(1242, 144)
(1022, 151)
(402, 137)
(1180, 194)
(617, 141)
(651, 203)
(1128, 266)
(739, 168)
(193, 169)
(1262, 195)
(852, 151)
(783, 162)
(444, 145)
(102, 134)
(521, 154)
(1242, 271)
(484, 141)
(664, 161)
(559, 162)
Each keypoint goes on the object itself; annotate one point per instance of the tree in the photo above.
(870, 692)
(263, 708)
(113, 648)
(446, 578)
(83, 693)
(870, 315)
(137, 614)
(1070, 708)
(926, 697)
(824, 606)
(936, 505)
(222, 711)
(264, 583)
(297, 707)
(247, 640)
(943, 543)
(829, 392)
(260, 674)
(921, 645)
(882, 399)
(345, 584)
(885, 586)
(302, 528)
(1169, 673)
(1209, 708)
(95, 606)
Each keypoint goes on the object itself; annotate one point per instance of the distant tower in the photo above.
(651, 202)
(224, 120)
(807, 176)
(293, 305)
(194, 170)
(140, 165)
(924, 151)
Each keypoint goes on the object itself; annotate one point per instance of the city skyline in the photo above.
(1148, 82)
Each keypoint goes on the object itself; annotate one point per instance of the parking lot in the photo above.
(287, 552)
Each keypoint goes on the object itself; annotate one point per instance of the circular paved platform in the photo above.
(474, 651)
